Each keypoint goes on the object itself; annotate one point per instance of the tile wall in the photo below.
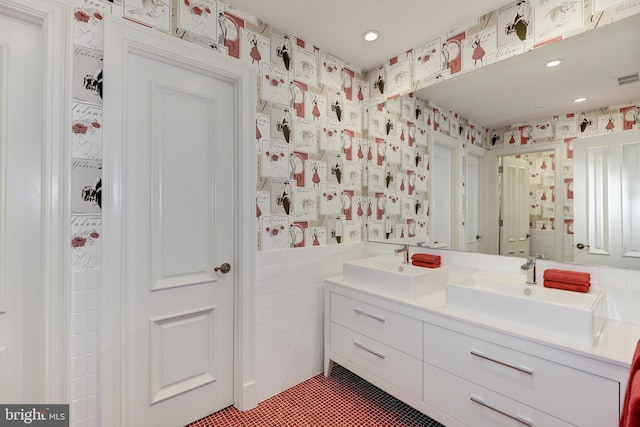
(85, 341)
(289, 317)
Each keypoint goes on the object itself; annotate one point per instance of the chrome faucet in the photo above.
(405, 249)
(530, 268)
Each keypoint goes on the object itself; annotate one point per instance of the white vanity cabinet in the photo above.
(477, 374)
(378, 340)
(462, 373)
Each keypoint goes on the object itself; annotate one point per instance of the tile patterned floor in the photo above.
(342, 400)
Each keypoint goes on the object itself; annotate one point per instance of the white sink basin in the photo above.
(388, 274)
(572, 316)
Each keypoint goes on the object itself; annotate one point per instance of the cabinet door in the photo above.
(606, 190)
(550, 387)
(386, 326)
(393, 366)
(480, 407)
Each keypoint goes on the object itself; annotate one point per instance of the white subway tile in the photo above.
(78, 366)
(92, 342)
(78, 410)
(78, 344)
(92, 384)
(93, 421)
(78, 301)
(92, 320)
(92, 363)
(78, 323)
(79, 388)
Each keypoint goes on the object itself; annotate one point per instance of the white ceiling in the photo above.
(336, 26)
(503, 93)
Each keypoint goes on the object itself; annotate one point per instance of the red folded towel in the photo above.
(425, 257)
(426, 264)
(631, 409)
(567, 276)
(566, 286)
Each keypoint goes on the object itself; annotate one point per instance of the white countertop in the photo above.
(616, 345)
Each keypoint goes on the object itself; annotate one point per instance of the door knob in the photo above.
(582, 246)
(224, 268)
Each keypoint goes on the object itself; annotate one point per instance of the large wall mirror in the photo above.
(563, 199)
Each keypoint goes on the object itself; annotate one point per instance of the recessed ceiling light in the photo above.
(370, 35)
(554, 63)
(579, 99)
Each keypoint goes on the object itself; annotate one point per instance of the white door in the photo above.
(178, 201)
(472, 186)
(607, 200)
(514, 232)
(442, 197)
(21, 285)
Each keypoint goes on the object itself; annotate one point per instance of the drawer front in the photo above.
(388, 327)
(395, 367)
(478, 407)
(570, 394)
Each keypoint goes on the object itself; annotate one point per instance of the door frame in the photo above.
(492, 207)
(122, 37)
(53, 16)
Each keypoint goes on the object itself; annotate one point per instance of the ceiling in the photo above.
(336, 26)
(512, 91)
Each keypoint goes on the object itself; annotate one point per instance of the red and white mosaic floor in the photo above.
(342, 400)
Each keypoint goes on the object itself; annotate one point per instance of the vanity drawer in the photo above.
(393, 366)
(388, 327)
(564, 392)
(477, 406)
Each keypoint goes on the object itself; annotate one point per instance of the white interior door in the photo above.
(472, 186)
(514, 232)
(607, 200)
(178, 203)
(442, 197)
(21, 286)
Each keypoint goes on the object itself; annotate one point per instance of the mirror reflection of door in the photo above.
(442, 191)
(607, 199)
(514, 207)
(528, 199)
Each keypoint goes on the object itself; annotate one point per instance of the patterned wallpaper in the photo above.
(334, 146)
(397, 123)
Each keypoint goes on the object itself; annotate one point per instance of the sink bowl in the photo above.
(388, 274)
(572, 316)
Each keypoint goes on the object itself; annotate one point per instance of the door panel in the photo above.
(178, 200)
(172, 206)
